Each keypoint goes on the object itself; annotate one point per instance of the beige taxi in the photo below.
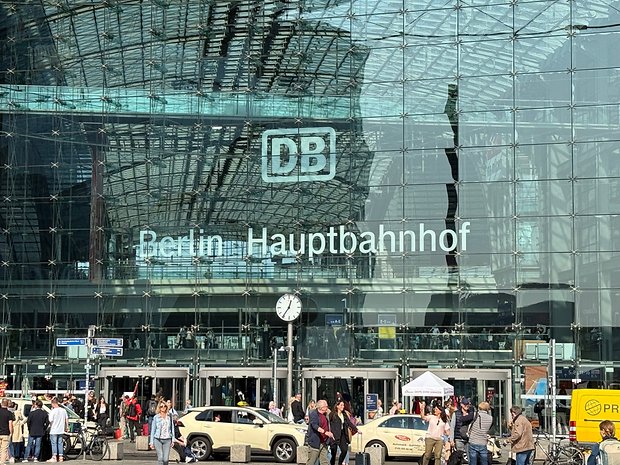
(401, 436)
(213, 430)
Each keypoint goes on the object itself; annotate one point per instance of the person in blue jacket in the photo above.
(162, 434)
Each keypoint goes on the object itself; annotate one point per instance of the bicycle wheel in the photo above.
(99, 448)
(73, 447)
(566, 455)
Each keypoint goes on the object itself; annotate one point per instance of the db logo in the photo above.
(292, 155)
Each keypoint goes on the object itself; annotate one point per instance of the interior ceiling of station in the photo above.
(200, 171)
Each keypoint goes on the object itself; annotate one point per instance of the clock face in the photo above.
(288, 307)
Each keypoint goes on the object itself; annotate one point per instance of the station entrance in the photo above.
(168, 382)
(360, 385)
(229, 386)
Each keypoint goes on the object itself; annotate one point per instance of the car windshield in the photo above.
(70, 413)
(270, 416)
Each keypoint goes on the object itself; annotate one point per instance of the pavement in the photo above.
(149, 457)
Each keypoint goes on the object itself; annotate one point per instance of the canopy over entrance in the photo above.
(427, 385)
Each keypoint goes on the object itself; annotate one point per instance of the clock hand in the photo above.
(288, 308)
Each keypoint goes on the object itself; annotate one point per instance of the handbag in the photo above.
(466, 429)
(464, 432)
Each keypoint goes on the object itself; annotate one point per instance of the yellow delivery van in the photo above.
(588, 408)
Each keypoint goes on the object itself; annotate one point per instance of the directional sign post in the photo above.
(107, 342)
(70, 341)
(108, 351)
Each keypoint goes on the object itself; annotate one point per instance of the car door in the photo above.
(250, 429)
(400, 436)
(218, 425)
(417, 428)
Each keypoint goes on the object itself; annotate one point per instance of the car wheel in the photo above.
(379, 444)
(201, 447)
(284, 450)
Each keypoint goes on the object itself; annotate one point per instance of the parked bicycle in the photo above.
(87, 440)
(558, 452)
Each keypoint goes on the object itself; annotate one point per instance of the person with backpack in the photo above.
(459, 423)
(151, 411)
(478, 431)
(521, 438)
(602, 452)
(134, 412)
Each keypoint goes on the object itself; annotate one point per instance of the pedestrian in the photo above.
(171, 408)
(607, 430)
(6, 430)
(16, 448)
(297, 409)
(438, 427)
(188, 406)
(102, 413)
(460, 422)
(37, 423)
(478, 431)
(318, 434)
(342, 425)
(396, 407)
(59, 425)
(151, 411)
(379, 411)
(122, 412)
(521, 438)
(162, 433)
(273, 409)
(133, 414)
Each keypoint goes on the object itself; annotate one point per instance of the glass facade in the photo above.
(435, 179)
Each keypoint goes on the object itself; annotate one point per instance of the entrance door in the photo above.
(493, 386)
(171, 383)
(354, 385)
(229, 386)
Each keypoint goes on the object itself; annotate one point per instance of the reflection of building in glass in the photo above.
(437, 182)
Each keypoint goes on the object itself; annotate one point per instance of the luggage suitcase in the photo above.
(362, 458)
(610, 452)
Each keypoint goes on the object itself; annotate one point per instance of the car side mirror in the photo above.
(258, 421)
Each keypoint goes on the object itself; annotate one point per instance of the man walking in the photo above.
(478, 435)
(297, 410)
(521, 438)
(6, 430)
(37, 422)
(134, 412)
(318, 435)
(461, 418)
(59, 424)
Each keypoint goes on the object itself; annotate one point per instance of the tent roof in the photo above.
(428, 384)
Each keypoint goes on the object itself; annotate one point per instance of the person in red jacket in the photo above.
(132, 415)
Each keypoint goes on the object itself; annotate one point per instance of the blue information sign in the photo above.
(108, 342)
(371, 402)
(109, 351)
(70, 341)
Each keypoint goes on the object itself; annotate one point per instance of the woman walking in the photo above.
(438, 427)
(341, 425)
(162, 434)
(101, 413)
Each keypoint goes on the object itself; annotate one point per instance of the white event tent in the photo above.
(428, 385)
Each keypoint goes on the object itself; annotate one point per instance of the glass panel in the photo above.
(543, 161)
(535, 198)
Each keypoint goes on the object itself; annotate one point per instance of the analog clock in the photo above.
(288, 307)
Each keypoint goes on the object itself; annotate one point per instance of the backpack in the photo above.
(131, 410)
(610, 452)
(151, 410)
(456, 458)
